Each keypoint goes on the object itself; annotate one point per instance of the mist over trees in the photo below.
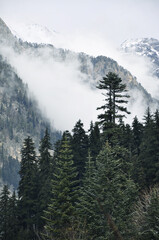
(101, 184)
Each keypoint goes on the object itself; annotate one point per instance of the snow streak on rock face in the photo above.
(147, 47)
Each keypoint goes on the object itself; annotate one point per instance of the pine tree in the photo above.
(79, 145)
(114, 88)
(28, 188)
(138, 170)
(94, 140)
(13, 225)
(45, 156)
(148, 151)
(86, 207)
(137, 129)
(45, 175)
(108, 196)
(156, 121)
(61, 209)
(4, 213)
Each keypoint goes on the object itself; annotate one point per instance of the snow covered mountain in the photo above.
(146, 47)
(35, 33)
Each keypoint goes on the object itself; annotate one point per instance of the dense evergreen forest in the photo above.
(95, 185)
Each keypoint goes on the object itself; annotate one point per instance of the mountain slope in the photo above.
(146, 47)
(19, 117)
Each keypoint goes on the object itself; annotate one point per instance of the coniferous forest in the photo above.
(95, 185)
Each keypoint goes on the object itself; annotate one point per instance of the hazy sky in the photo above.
(114, 20)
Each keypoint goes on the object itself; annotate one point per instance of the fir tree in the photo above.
(94, 140)
(149, 151)
(137, 129)
(156, 121)
(114, 88)
(4, 213)
(45, 157)
(138, 170)
(108, 196)
(45, 175)
(79, 145)
(61, 209)
(13, 225)
(28, 189)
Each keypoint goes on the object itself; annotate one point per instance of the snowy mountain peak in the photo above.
(139, 41)
(146, 47)
(34, 33)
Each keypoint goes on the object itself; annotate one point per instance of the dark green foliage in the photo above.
(156, 130)
(110, 186)
(13, 223)
(137, 131)
(61, 209)
(124, 136)
(94, 140)
(137, 134)
(28, 186)
(80, 146)
(8, 215)
(45, 175)
(45, 156)
(114, 88)
(149, 153)
(4, 213)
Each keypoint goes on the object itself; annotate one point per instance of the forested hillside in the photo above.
(19, 117)
(101, 184)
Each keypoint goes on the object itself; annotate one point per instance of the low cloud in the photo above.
(59, 88)
(140, 66)
(95, 44)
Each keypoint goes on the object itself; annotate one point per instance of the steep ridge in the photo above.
(20, 115)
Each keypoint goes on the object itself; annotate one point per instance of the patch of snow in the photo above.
(34, 33)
